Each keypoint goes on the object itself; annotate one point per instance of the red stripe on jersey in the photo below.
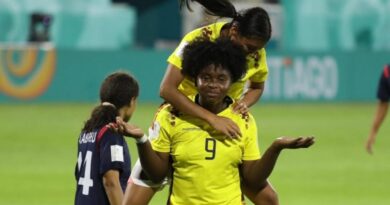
(386, 71)
(100, 134)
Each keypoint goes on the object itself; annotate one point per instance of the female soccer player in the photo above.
(206, 164)
(383, 95)
(103, 164)
(252, 30)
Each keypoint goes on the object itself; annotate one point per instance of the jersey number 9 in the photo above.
(210, 146)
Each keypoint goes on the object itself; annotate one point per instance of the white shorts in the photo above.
(135, 178)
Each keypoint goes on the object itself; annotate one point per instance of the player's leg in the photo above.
(137, 195)
(139, 190)
(264, 196)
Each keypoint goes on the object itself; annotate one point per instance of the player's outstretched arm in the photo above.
(257, 171)
(155, 164)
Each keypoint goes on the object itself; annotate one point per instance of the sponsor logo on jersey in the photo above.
(116, 153)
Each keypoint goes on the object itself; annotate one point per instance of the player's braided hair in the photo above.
(251, 23)
(117, 89)
(202, 52)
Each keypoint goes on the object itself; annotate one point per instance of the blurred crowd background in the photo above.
(120, 24)
(332, 50)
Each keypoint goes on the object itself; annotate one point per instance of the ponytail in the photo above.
(100, 116)
(252, 23)
(220, 8)
(116, 91)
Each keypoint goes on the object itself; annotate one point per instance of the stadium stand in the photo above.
(87, 24)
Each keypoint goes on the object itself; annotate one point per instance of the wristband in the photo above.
(141, 140)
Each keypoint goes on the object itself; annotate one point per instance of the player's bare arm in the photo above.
(250, 98)
(113, 187)
(155, 164)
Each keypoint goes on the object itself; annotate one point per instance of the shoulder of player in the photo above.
(262, 52)
(107, 134)
(167, 113)
(250, 117)
(246, 118)
(193, 34)
(256, 60)
(164, 110)
(210, 30)
(259, 54)
(237, 116)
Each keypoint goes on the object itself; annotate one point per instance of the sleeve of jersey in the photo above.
(383, 92)
(176, 57)
(251, 149)
(159, 133)
(261, 73)
(111, 152)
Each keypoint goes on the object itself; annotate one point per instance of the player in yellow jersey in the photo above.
(252, 30)
(207, 165)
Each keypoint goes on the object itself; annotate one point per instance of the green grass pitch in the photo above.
(38, 153)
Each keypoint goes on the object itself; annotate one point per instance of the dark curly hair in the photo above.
(201, 52)
(118, 89)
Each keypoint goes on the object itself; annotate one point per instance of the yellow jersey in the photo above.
(205, 164)
(256, 62)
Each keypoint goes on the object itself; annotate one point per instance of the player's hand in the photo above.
(240, 107)
(226, 126)
(369, 144)
(125, 128)
(293, 143)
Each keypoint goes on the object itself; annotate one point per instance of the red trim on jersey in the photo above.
(101, 133)
(386, 71)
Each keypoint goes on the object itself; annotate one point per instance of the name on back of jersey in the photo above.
(88, 137)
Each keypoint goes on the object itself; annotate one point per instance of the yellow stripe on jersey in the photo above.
(205, 164)
(257, 64)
